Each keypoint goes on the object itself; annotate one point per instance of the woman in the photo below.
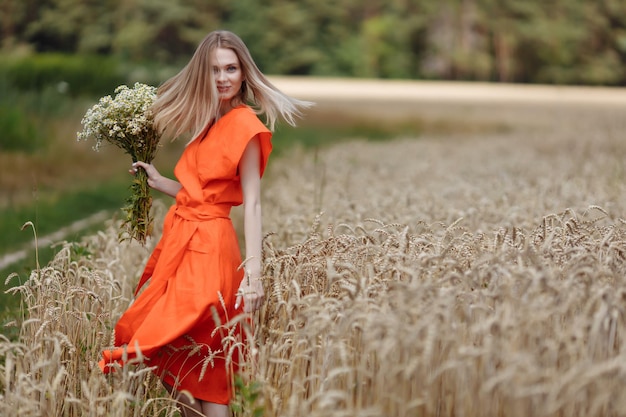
(196, 284)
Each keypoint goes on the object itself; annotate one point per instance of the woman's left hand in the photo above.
(251, 293)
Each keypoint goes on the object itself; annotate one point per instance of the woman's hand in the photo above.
(151, 171)
(251, 293)
(156, 180)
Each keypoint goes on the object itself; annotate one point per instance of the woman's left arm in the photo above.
(251, 287)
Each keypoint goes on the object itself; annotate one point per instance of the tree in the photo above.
(548, 41)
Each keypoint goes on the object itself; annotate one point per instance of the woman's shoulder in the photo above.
(244, 118)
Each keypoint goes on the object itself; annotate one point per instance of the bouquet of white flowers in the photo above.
(126, 121)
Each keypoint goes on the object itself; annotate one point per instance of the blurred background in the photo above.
(57, 57)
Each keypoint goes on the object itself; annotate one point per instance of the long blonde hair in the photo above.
(189, 103)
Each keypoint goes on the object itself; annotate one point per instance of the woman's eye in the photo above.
(231, 69)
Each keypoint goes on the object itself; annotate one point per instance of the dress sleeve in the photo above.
(249, 126)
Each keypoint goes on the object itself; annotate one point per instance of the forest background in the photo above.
(58, 56)
(531, 41)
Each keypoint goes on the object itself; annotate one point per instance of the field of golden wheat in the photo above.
(476, 270)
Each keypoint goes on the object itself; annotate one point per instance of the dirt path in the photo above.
(458, 92)
(452, 104)
(48, 240)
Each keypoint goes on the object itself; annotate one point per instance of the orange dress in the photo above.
(193, 272)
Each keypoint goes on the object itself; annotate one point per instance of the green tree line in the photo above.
(529, 41)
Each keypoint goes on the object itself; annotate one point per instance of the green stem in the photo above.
(139, 222)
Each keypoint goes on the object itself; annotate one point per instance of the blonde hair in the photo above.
(188, 102)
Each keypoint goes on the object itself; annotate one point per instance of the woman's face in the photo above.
(227, 73)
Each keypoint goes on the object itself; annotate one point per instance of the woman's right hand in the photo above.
(156, 180)
(151, 171)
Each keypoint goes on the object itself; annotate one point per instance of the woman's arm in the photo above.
(251, 287)
(158, 181)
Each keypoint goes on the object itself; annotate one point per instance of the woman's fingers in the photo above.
(139, 164)
(135, 165)
(252, 299)
(250, 303)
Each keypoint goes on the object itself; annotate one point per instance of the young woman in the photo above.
(194, 273)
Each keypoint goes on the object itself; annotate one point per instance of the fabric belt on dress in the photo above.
(184, 220)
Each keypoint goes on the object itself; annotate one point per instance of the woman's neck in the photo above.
(227, 106)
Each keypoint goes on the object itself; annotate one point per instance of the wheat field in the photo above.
(476, 270)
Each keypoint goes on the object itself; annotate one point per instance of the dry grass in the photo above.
(69, 306)
(491, 281)
(382, 320)
(459, 275)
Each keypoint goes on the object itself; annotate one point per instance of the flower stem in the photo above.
(139, 221)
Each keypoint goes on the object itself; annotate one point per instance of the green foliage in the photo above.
(247, 395)
(73, 74)
(17, 132)
(79, 251)
(557, 41)
(21, 116)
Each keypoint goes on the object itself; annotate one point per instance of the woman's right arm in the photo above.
(158, 181)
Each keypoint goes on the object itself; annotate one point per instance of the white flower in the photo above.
(127, 122)
(127, 117)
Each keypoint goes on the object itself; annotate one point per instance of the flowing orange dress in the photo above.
(193, 272)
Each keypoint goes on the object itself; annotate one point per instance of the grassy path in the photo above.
(50, 239)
